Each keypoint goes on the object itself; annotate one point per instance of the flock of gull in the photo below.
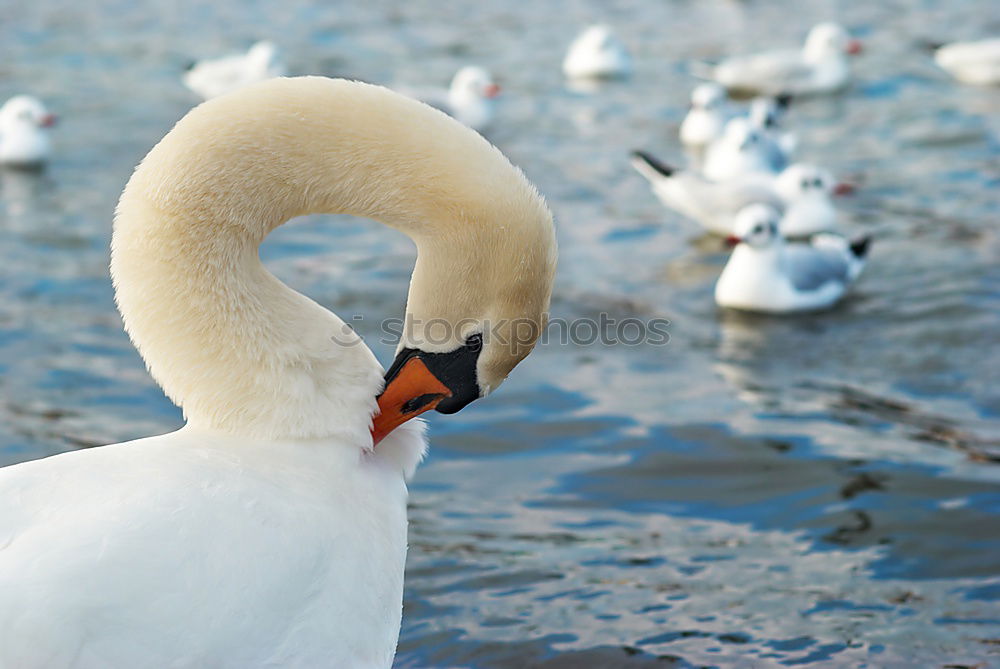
(741, 181)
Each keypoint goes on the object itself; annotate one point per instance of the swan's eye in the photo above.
(817, 182)
(757, 229)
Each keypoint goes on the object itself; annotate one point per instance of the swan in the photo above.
(597, 53)
(24, 124)
(218, 76)
(270, 530)
(976, 63)
(766, 274)
(820, 66)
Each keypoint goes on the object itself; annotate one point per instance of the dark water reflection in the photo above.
(813, 491)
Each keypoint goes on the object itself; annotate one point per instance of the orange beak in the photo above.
(48, 121)
(491, 90)
(411, 392)
(732, 240)
(854, 47)
(843, 188)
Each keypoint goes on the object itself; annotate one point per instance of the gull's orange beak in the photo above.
(843, 188)
(491, 91)
(412, 391)
(854, 47)
(732, 240)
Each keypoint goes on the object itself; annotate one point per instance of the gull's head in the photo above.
(708, 96)
(474, 81)
(25, 111)
(756, 225)
(800, 180)
(767, 113)
(828, 40)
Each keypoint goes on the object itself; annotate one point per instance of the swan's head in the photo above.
(829, 40)
(474, 82)
(25, 110)
(757, 226)
(708, 96)
(801, 180)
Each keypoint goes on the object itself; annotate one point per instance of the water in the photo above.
(809, 491)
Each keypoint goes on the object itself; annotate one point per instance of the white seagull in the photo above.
(767, 115)
(707, 117)
(270, 531)
(597, 53)
(975, 63)
(820, 66)
(802, 192)
(24, 137)
(766, 274)
(743, 149)
(212, 78)
(471, 97)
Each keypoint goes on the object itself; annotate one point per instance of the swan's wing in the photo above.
(809, 267)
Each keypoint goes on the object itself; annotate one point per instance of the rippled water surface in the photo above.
(809, 491)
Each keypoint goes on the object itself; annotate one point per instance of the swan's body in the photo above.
(802, 192)
(24, 138)
(766, 274)
(268, 531)
(706, 118)
(819, 67)
(597, 53)
(215, 77)
(470, 99)
(976, 63)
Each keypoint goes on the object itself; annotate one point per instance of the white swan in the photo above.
(819, 67)
(597, 53)
(268, 531)
(218, 76)
(767, 274)
(24, 124)
(976, 63)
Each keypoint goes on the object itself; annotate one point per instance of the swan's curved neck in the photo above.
(228, 342)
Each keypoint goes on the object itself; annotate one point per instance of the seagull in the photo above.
(766, 114)
(707, 117)
(975, 63)
(820, 66)
(212, 78)
(743, 149)
(597, 53)
(710, 203)
(24, 138)
(766, 274)
(470, 99)
(807, 191)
